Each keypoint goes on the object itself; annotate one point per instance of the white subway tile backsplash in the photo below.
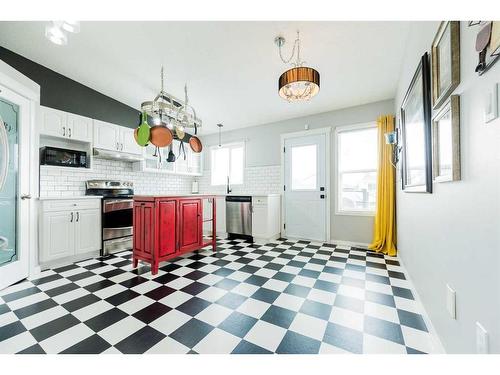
(256, 180)
(57, 182)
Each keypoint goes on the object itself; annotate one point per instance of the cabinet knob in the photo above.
(77, 216)
(71, 219)
(64, 131)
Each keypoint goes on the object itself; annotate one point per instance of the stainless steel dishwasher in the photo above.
(239, 216)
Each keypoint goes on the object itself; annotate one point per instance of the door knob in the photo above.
(25, 196)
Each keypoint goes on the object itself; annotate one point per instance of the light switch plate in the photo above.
(491, 104)
(451, 301)
(482, 346)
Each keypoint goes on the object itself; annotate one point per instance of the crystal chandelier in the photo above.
(299, 83)
(167, 110)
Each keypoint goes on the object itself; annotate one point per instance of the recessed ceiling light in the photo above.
(71, 26)
(56, 35)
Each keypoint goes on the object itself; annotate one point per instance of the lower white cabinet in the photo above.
(69, 227)
(266, 218)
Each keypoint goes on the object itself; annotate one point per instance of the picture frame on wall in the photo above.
(446, 141)
(445, 62)
(415, 123)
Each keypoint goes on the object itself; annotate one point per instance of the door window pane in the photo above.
(8, 181)
(304, 167)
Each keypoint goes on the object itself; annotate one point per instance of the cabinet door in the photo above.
(53, 122)
(166, 219)
(106, 136)
(190, 224)
(181, 164)
(58, 235)
(79, 128)
(194, 162)
(144, 230)
(87, 231)
(127, 141)
(259, 221)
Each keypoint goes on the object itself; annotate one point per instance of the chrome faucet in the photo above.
(228, 186)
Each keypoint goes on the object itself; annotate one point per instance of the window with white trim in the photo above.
(357, 154)
(227, 161)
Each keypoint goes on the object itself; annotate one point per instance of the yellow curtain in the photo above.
(384, 231)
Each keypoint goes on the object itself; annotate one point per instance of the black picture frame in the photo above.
(417, 106)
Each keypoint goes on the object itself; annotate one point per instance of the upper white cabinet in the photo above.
(61, 124)
(115, 138)
(106, 136)
(191, 166)
(127, 140)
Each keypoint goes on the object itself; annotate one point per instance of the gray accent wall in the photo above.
(263, 148)
(60, 92)
(453, 235)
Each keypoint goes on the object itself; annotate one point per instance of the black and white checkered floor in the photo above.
(284, 297)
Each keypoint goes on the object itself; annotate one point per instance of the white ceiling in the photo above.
(231, 68)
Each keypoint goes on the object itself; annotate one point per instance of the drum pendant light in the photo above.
(299, 83)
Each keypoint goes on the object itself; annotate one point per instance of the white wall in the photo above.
(453, 235)
(262, 145)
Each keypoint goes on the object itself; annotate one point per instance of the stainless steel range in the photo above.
(117, 213)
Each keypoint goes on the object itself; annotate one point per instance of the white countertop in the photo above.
(245, 195)
(70, 197)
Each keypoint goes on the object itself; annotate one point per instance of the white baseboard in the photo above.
(438, 345)
(349, 243)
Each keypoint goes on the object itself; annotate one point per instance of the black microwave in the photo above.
(63, 158)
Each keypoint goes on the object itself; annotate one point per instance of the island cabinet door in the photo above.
(166, 227)
(144, 221)
(190, 224)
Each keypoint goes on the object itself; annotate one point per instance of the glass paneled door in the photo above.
(14, 178)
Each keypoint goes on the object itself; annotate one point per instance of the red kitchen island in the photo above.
(166, 227)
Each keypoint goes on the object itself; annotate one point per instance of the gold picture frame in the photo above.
(446, 141)
(445, 62)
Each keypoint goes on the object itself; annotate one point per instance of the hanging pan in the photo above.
(195, 144)
(161, 136)
(142, 133)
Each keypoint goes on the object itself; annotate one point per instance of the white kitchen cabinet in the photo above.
(57, 234)
(113, 137)
(127, 140)
(266, 218)
(68, 228)
(79, 127)
(191, 166)
(106, 136)
(60, 124)
(87, 230)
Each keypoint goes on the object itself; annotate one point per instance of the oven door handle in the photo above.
(117, 205)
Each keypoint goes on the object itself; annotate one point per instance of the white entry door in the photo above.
(15, 114)
(305, 201)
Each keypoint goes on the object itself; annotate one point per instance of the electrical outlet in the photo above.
(481, 339)
(451, 301)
